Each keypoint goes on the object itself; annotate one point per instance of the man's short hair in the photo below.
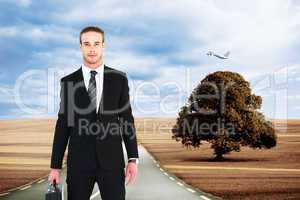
(91, 29)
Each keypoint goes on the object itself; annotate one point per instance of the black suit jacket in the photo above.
(94, 137)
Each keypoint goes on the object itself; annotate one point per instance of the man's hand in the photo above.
(131, 173)
(54, 175)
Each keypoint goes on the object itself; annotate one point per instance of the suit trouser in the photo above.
(111, 184)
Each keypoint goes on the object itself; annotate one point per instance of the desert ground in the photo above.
(25, 150)
(249, 174)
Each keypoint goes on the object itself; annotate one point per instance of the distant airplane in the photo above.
(225, 56)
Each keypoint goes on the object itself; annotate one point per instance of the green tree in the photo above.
(223, 111)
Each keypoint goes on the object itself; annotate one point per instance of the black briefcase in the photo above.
(53, 192)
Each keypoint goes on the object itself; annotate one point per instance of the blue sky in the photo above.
(161, 45)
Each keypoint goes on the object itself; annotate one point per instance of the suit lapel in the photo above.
(81, 92)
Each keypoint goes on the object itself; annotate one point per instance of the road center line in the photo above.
(40, 181)
(4, 194)
(190, 190)
(179, 183)
(24, 188)
(204, 197)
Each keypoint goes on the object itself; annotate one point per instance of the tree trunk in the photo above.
(219, 157)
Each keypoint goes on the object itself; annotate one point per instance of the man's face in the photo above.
(92, 47)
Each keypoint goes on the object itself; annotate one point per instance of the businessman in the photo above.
(94, 118)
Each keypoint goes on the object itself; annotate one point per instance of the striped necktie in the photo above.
(92, 91)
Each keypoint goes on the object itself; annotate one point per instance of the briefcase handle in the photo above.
(52, 187)
(54, 192)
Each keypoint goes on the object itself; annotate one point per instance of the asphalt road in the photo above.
(152, 182)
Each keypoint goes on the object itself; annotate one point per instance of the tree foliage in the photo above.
(223, 111)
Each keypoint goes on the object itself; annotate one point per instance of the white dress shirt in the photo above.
(86, 71)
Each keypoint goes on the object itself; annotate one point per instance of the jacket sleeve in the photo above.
(127, 121)
(61, 133)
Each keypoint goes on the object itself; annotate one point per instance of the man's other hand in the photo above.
(131, 173)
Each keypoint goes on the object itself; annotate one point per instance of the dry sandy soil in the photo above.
(25, 149)
(249, 174)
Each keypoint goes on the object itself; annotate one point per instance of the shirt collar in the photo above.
(88, 70)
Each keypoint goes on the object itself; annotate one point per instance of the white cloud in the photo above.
(66, 59)
(21, 3)
(24, 3)
(35, 93)
(6, 94)
(8, 31)
(261, 35)
(44, 33)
